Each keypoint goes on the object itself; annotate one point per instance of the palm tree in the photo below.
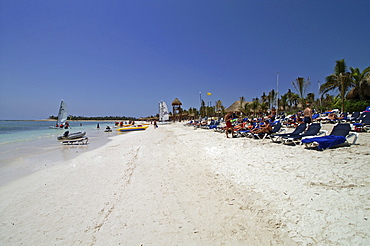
(241, 103)
(327, 101)
(202, 109)
(255, 105)
(310, 97)
(340, 80)
(300, 84)
(271, 98)
(218, 106)
(292, 99)
(264, 106)
(283, 101)
(264, 98)
(359, 79)
(247, 109)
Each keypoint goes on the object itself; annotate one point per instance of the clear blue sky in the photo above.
(123, 57)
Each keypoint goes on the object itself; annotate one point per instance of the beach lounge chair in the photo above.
(364, 124)
(276, 128)
(313, 130)
(315, 116)
(244, 133)
(355, 117)
(298, 130)
(213, 125)
(339, 135)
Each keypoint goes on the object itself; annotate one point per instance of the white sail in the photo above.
(163, 112)
(63, 113)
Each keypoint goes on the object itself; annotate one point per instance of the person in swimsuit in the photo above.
(267, 128)
(229, 126)
(307, 113)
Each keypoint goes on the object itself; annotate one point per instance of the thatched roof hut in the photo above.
(176, 102)
(235, 107)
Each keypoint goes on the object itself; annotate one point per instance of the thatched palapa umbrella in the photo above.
(176, 109)
(235, 107)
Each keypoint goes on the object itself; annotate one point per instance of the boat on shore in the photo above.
(133, 128)
(71, 136)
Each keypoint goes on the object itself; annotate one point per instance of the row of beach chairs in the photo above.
(356, 118)
(309, 134)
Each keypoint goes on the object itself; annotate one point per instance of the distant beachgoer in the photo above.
(229, 126)
(307, 113)
(155, 124)
(98, 126)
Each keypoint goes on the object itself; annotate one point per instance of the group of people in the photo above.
(65, 125)
(120, 124)
(263, 127)
(256, 125)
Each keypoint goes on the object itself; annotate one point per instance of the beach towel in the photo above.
(326, 141)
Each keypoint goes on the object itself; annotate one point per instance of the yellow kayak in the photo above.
(132, 128)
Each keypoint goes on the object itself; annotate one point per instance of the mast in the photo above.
(277, 93)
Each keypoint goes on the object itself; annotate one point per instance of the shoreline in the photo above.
(175, 185)
(41, 153)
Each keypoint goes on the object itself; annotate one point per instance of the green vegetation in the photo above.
(79, 118)
(353, 87)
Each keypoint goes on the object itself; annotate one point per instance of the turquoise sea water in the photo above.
(27, 146)
(23, 131)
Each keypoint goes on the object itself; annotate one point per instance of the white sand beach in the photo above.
(178, 186)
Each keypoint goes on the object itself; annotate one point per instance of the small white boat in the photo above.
(108, 129)
(71, 136)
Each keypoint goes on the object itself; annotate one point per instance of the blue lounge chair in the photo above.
(355, 117)
(364, 124)
(276, 128)
(298, 130)
(244, 133)
(315, 116)
(339, 135)
(313, 130)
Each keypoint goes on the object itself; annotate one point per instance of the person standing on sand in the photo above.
(229, 126)
(155, 124)
(307, 113)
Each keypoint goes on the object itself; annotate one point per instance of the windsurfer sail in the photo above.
(163, 112)
(62, 116)
(63, 113)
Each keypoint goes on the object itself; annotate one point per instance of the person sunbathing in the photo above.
(241, 126)
(267, 128)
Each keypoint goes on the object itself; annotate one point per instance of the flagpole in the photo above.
(318, 94)
(200, 100)
(277, 93)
